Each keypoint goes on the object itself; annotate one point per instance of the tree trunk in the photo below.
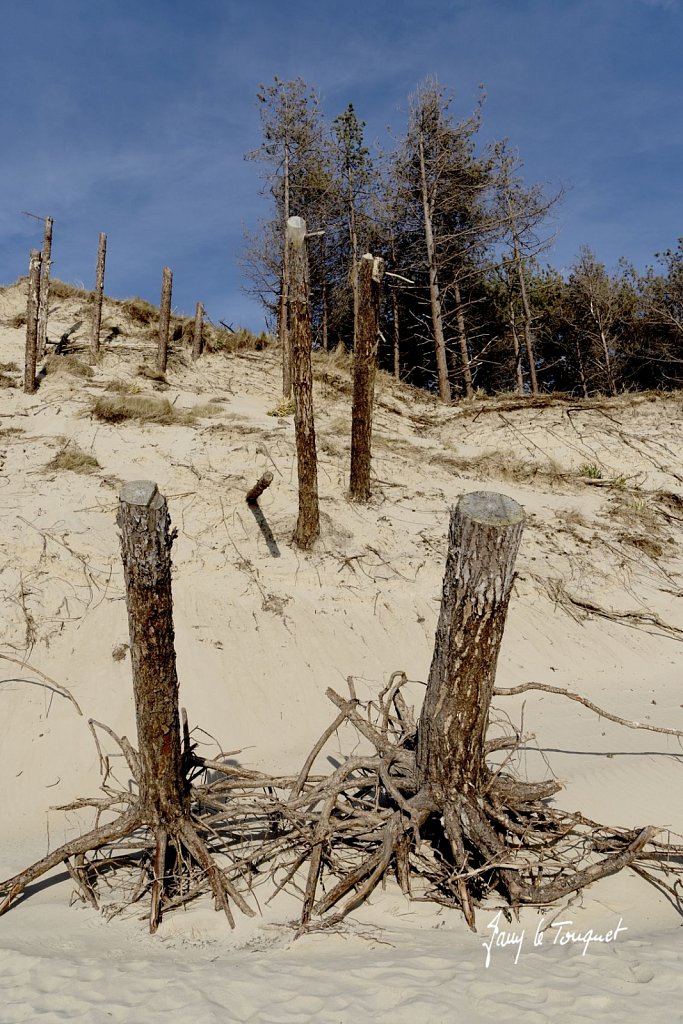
(99, 293)
(164, 319)
(146, 551)
(197, 345)
(519, 376)
(462, 338)
(44, 298)
(582, 371)
(284, 324)
(528, 336)
(368, 279)
(30, 358)
(308, 522)
(325, 316)
(484, 536)
(397, 335)
(434, 297)
(255, 492)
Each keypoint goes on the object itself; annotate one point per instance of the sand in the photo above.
(262, 630)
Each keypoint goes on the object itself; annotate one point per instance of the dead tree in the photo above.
(308, 522)
(197, 345)
(31, 354)
(99, 293)
(44, 297)
(484, 537)
(164, 319)
(368, 280)
(179, 859)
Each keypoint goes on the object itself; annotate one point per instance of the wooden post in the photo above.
(259, 487)
(308, 523)
(146, 551)
(164, 319)
(484, 536)
(99, 293)
(44, 296)
(197, 346)
(368, 284)
(31, 356)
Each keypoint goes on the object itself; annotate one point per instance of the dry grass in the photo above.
(140, 311)
(240, 340)
(18, 320)
(67, 364)
(9, 367)
(64, 290)
(124, 387)
(73, 459)
(285, 408)
(146, 409)
(8, 382)
(151, 373)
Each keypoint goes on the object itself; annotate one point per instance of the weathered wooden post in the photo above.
(483, 541)
(31, 355)
(99, 293)
(164, 319)
(308, 523)
(255, 492)
(197, 345)
(368, 281)
(44, 296)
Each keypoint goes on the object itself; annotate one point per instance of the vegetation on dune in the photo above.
(71, 457)
(118, 408)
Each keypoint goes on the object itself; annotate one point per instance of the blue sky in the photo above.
(133, 117)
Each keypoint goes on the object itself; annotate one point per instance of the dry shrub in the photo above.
(67, 364)
(285, 408)
(74, 459)
(63, 290)
(124, 387)
(8, 382)
(151, 373)
(240, 340)
(140, 311)
(18, 320)
(146, 409)
(9, 367)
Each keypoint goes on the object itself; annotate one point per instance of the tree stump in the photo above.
(99, 293)
(483, 541)
(369, 280)
(308, 522)
(31, 353)
(197, 343)
(164, 319)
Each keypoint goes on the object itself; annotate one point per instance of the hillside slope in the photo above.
(262, 630)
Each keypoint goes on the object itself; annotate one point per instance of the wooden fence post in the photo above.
(44, 296)
(483, 541)
(99, 293)
(308, 522)
(368, 284)
(31, 354)
(197, 346)
(164, 319)
(146, 552)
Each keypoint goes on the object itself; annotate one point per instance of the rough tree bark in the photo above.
(462, 339)
(44, 297)
(484, 536)
(197, 345)
(164, 319)
(255, 492)
(146, 552)
(99, 293)
(31, 354)
(369, 275)
(308, 522)
(434, 295)
(528, 319)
